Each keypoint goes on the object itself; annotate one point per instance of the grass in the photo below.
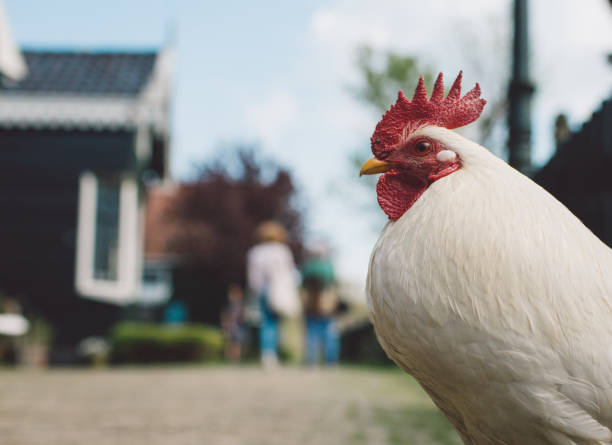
(414, 424)
(406, 417)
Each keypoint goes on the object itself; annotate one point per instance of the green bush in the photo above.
(148, 343)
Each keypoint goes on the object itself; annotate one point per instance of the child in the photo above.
(232, 321)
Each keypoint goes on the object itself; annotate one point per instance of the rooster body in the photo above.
(496, 299)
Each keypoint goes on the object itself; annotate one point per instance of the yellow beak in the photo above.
(373, 166)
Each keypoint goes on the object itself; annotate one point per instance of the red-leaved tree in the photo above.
(215, 217)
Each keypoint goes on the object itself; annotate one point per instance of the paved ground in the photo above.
(217, 406)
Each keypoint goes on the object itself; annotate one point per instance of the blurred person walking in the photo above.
(272, 277)
(232, 322)
(321, 304)
(12, 326)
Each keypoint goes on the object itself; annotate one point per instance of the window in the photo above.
(109, 239)
(106, 233)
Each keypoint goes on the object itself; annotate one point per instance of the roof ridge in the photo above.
(92, 51)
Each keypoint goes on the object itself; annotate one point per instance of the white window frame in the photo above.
(127, 287)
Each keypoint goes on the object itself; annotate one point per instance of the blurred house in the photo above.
(81, 134)
(160, 260)
(579, 174)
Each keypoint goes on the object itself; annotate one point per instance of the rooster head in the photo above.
(410, 159)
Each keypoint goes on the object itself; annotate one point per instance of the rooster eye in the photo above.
(422, 148)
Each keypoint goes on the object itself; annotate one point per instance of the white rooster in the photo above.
(484, 287)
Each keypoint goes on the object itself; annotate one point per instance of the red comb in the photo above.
(406, 116)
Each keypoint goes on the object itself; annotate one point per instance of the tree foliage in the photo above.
(384, 78)
(217, 214)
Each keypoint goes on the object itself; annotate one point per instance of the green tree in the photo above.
(387, 73)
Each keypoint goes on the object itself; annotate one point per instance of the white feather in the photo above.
(499, 301)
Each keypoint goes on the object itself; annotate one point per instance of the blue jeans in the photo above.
(321, 333)
(268, 328)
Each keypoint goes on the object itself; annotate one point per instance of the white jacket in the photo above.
(271, 271)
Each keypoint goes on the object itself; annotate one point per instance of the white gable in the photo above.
(12, 64)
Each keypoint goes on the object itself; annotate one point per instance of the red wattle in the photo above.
(397, 192)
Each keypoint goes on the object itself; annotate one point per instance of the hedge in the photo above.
(148, 343)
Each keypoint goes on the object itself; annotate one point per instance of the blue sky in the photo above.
(278, 73)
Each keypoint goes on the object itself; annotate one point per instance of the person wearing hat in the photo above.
(272, 277)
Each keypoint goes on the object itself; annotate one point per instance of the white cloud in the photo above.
(269, 119)
(334, 28)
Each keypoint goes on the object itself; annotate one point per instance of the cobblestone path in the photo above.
(216, 405)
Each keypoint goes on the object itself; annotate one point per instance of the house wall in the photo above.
(579, 175)
(39, 173)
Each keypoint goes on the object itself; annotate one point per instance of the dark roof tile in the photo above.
(85, 72)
